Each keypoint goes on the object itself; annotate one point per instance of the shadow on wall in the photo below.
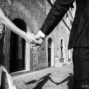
(41, 82)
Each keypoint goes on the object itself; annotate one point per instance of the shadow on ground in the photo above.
(41, 82)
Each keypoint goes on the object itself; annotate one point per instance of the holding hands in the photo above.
(34, 40)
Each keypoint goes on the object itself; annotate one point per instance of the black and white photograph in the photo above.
(44, 44)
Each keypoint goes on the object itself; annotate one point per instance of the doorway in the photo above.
(50, 52)
(17, 48)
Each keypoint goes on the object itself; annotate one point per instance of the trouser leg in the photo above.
(81, 68)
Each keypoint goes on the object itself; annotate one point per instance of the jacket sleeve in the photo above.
(56, 13)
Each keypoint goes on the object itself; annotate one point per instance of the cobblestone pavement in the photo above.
(49, 78)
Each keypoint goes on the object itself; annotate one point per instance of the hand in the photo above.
(39, 39)
(29, 38)
(33, 39)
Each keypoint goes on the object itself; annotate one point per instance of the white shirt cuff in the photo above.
(41, 34)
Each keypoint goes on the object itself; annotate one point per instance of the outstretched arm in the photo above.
(56, 13)
(4, 20)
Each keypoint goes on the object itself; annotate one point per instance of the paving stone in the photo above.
(49, 78)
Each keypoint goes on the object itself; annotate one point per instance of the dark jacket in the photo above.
(79, 36)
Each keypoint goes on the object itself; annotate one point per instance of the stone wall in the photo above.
(33, 13)
(62, 32)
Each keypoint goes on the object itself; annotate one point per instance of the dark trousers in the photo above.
(1, 51)
(81, 67)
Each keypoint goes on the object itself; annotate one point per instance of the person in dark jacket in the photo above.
(79, 36)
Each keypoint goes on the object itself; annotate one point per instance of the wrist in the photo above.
(41, 34)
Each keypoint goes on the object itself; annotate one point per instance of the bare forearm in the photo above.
(13, 27)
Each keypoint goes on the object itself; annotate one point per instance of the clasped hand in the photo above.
(34, 40)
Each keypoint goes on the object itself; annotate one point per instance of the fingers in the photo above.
(34, 40)
(37, 43)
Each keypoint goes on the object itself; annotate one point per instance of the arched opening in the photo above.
(49, 51)
(17, 48)
(61, 49)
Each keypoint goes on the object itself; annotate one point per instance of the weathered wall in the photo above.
(32, 12)
(62, 31)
